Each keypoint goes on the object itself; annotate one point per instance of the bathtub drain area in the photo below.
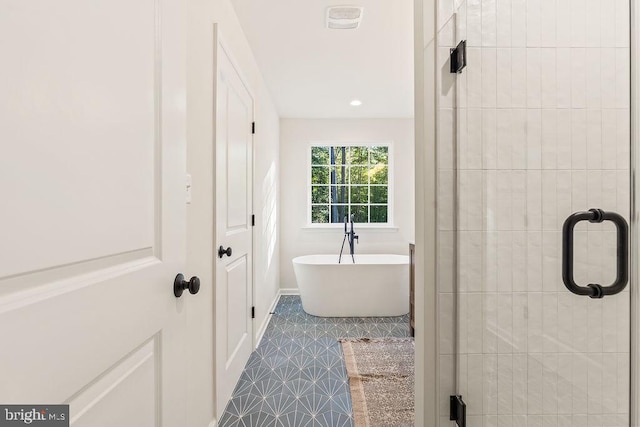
(297, 375)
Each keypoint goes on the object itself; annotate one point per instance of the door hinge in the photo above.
(458, 57)
(253, 128)
(458, 410)
(253, 312)
(253, 220)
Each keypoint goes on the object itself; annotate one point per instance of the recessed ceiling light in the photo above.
(356, 103)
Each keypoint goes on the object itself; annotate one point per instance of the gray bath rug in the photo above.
(381, 380)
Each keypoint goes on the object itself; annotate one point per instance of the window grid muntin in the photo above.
(347, 173)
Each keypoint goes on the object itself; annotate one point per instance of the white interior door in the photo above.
(92, 217)
(234, 272)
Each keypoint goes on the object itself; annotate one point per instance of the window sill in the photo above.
(340, 227)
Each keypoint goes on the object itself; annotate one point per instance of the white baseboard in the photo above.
(213, 423)
(265, 321)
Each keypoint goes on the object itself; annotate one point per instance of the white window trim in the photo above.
(390, 224)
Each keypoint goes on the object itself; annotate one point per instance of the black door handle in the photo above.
(222, 251)
(179, 285)
(622, 265)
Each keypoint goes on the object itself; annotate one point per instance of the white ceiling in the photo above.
(314, 72)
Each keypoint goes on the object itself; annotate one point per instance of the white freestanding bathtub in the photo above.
(376, 285)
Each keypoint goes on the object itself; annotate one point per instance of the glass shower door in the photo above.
(540, 120)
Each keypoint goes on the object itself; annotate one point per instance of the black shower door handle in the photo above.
(622, 265)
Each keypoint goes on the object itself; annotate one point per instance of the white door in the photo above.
(234, 271)
(92, 208)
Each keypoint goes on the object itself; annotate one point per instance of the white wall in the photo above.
(202, 14)
(295, 138)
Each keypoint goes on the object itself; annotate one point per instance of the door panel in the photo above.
(540, 131)
(234, 273)
(238, 318)
(92, 125)
(123, 393)
(237, 155)
(68, 127)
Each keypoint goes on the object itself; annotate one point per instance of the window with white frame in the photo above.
(350, 179)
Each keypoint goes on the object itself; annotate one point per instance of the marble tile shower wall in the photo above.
(535, 128)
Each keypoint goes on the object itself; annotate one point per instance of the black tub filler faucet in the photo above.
(350, 236)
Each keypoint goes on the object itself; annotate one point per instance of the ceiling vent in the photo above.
(344, 17)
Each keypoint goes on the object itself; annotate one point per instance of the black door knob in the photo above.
(222, 251)
(179, 285)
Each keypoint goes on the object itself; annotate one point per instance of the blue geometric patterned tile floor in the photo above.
(297, 375)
